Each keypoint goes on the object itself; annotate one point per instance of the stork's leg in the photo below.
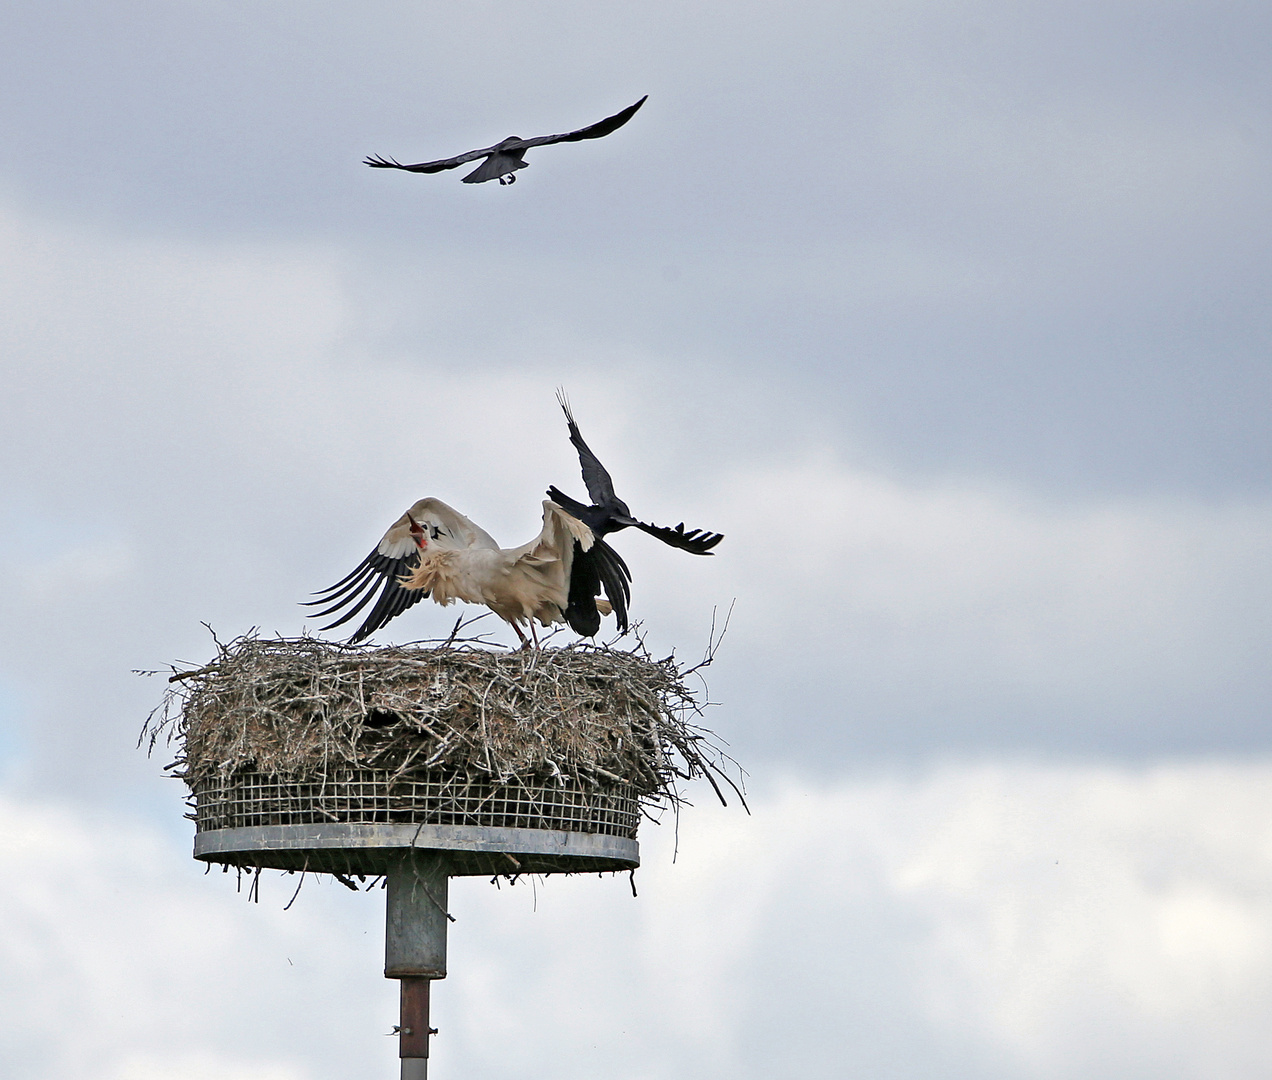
(534, 634)
(524, 643)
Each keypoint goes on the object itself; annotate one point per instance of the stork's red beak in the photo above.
(417, 532)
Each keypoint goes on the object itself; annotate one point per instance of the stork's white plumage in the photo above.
(434, 550)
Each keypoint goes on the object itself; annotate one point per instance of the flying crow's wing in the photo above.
(378, 162)
(600, 487)
(695, 541)
(593, 131)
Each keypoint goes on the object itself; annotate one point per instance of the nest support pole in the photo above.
(415, 946)
(422, 764)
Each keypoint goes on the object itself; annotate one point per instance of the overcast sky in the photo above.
(954, 318)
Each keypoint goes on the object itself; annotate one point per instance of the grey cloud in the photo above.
(209, 436)
(1009, 257)
(1005, 921)
(1090, 188)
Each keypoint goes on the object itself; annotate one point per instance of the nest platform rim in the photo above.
(370, 849)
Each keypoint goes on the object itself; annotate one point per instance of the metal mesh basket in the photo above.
(353, 820)
(366, 796)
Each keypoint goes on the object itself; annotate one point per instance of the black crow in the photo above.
(505, 158)
(601, 566)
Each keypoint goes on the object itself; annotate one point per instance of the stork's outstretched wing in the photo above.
(560, 532)
(615, 580)
(459, 530)
(593, 131)
(394, 557)
(379, 576)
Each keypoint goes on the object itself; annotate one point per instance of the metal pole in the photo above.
(415, 1068)
(415, 947)
(414, 1029)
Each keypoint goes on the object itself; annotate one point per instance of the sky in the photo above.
(953, 317)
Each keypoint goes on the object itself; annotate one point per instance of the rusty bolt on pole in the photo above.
(413, 1032)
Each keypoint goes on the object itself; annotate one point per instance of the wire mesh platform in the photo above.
(355, 820)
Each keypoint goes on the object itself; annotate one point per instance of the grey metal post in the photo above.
(415, 946)
(415, 1068)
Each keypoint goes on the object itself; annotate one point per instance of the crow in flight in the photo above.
(505, 158)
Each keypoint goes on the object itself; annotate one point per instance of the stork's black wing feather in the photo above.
(695, 541)
(614, 579)
(585, 585)
(593, 131)
(599, 568)
(392, 602)
(600, 487)
(620, 575)
(376, 573)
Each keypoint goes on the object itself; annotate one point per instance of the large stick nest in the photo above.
(297, 708)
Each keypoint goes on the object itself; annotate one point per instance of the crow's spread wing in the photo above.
(376, 161)
(600, 487)
(593, 131)
(695, 541)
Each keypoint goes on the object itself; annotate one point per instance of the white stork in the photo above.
(434, 550)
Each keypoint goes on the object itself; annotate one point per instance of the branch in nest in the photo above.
(297, 708)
